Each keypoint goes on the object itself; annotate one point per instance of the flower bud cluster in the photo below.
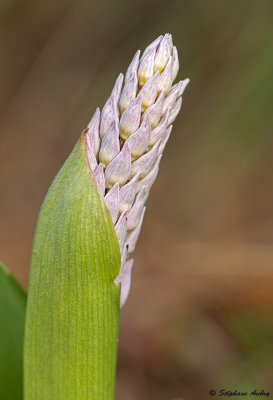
(125, 141)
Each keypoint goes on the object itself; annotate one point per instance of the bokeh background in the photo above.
(200, 313)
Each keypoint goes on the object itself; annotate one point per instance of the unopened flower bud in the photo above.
(165, 80)
(162, 54)
(117, 90)
(93, 132)
(119, 169)
(121, 229)
(112, 202)
(175, 110)
(153, 45)
(154, 112)
(149, 91)
(146, 67)
(127, 194)
(159, 131)
(133, 66)
(110, 146)
(130, 119)
(128, 139)
(175, 68)
(136, 210)
(99, 178)
(140, 139)
(108, 115)
(144, 163)
(134, 234)
(129, 92)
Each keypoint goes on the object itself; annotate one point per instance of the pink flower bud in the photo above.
(93, 132)
(121, 229)
(165, 80)
(136, 210)
(119, 169)
(127, 194)
(155, 111)
(159, 131)
(130, 119)
(108, 115)
(175, 68)
(146, 67)
(134, 234)
(149, 91)
(144, 164)
(129, 92)
(110, 146)
(153, 45)
(133, 66)
(175, 110)
(112, 202)
(92, 161)
(165, 139)
(99, 178)
(139, 140)
(117, 90)
(163, 54)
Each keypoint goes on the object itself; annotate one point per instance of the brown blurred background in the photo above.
(200, 313)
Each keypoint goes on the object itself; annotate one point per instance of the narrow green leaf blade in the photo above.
(73, 304)
(12, 321)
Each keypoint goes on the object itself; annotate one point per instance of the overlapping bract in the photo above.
(125, 141)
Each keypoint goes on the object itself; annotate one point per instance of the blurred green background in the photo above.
(200, 313)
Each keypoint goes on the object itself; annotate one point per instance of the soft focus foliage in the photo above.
(205, 254)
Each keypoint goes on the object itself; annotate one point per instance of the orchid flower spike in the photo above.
(124, 142)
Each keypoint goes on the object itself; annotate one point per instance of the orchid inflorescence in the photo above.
(125, 141)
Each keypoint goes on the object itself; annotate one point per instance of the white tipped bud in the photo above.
(121, 229)
(127, 194)
(125, 280)
(146, 67)
(124, 254)
(133, 66)
(99, 178)
(165, 80)
(149, 91)
(129, 92)
(110, 146)
(175, 68)
(175, 111)
(170, 39)
(159, 131)
(108, 115)
(112, 202)
(117, 90)
(144, 164)
(133, 235)
(130, 119)
(93, 132)
(118, 171)
(140, 139)
(183, 86)
(165, 139)
(163, 54)
(135, 213)
(155, 111)
(153, 45)
(172, 97)
(150, 178)
(92, 161)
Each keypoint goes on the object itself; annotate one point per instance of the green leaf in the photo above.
(12, 321)
(73, 304)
